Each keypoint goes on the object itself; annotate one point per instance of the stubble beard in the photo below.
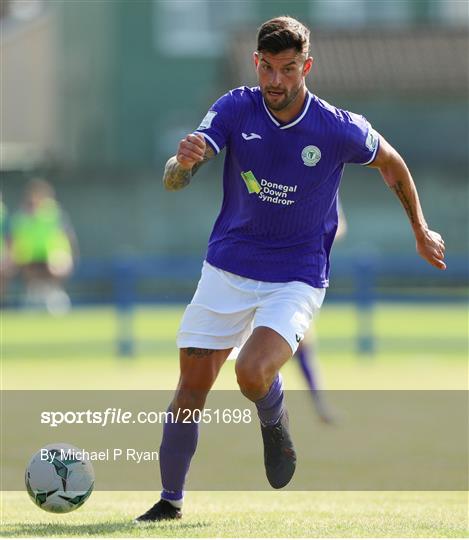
(282, 105)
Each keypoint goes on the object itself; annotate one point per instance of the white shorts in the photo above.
(226, 308)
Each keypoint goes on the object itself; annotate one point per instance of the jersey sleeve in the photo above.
(216, 125)
(361, 140)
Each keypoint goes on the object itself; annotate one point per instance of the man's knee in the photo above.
(253, 379)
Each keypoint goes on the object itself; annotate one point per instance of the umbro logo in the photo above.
(251, 136)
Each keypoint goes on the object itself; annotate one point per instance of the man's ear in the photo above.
(308, 65)
(255, 57)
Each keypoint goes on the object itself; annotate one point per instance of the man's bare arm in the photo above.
(192, 153)
(397, 176)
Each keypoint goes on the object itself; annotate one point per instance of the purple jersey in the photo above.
(280, 183)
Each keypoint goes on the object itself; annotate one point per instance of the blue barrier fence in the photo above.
(364, 280)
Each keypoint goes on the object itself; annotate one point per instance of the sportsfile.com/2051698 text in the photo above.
(116, 415)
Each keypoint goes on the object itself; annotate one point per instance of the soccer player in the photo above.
(306, 353)
(267, 264)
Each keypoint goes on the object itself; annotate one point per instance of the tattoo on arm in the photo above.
(198, 353)
(405, 200)
(175, 177)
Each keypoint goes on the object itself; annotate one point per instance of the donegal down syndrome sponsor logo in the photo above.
(270, 192)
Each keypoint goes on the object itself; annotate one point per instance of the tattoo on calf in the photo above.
(199, 353)
(404, 200)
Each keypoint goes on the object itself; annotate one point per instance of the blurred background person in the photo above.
(43, 248)
(306, 354)
(6, 269)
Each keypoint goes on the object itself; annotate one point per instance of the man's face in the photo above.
(281, 76)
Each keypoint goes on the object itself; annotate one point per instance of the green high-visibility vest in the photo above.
(37, 236)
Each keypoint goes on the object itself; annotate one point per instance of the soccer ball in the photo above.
(56, 480)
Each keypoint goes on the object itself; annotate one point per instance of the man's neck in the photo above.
(288, 114)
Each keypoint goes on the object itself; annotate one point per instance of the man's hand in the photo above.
(431, 247)
(191, 150)
(191, 155)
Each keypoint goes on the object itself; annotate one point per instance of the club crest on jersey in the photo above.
(310, 155)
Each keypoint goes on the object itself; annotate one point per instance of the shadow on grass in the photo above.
(98, 529)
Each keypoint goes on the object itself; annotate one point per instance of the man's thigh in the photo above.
(199, 367)
(264, 353)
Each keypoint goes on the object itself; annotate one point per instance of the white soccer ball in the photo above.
(56, 480)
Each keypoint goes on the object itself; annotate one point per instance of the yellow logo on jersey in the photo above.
(251, 182)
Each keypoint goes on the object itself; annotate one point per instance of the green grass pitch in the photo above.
(254, 514)
(417, 348)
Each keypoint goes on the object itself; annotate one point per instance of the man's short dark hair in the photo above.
(283, 33)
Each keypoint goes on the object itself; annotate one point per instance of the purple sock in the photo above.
(176, 451)
(270, 407)
(307, 368)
